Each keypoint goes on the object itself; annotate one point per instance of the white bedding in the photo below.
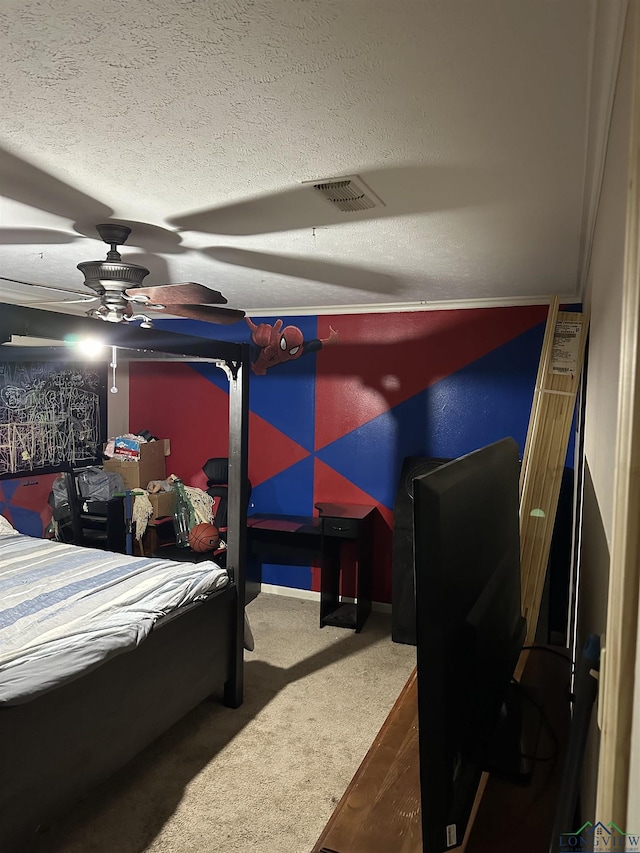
(65, 609)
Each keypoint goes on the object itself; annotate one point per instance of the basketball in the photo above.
(204, 537)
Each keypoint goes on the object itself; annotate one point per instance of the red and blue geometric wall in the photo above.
(24, 502)
(337, 419)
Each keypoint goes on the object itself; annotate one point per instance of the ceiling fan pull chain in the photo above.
(113, 365)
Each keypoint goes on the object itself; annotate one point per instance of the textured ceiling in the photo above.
(202, 121)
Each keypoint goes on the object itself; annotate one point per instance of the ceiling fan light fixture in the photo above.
(90, 347)
(348, 194)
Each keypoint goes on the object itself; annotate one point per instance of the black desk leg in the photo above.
(334, 610)
(329, 578)
(364, 582)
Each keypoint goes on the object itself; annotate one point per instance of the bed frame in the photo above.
(57, 746)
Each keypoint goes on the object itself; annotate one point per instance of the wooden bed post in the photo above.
(238, 374)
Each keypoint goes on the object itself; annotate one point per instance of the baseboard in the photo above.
(310, 595)
(290, 592)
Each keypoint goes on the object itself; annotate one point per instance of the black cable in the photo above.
(551, 761)
(544, 719)
(566, 657)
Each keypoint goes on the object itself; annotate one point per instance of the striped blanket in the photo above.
(66, 609)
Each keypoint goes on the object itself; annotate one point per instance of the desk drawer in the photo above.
(346, 528)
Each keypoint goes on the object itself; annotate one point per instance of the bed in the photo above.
(61, 737)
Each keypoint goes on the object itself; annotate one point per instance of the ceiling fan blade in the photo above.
(85, 300)
(291, 209)
(34, 236)
(208, 313)
(28, 184)
(311, 269)
(188, 292)
(49, 287)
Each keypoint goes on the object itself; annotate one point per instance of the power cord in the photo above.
(544, 719)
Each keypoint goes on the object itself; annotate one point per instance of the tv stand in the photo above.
(380, 809)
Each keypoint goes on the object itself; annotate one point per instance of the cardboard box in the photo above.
(163, 503)
(137, 474)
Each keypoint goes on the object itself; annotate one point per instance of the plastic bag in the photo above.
(94, 484)
(99, 485)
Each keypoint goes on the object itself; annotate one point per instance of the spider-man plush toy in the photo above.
(274, 345)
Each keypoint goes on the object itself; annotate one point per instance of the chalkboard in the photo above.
(52, 414)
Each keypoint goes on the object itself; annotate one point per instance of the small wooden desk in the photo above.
(299, 540)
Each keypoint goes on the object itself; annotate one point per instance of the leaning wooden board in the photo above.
(545, 450)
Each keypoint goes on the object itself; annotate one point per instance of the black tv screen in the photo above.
(469, 627)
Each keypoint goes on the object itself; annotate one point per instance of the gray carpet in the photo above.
(264, 777)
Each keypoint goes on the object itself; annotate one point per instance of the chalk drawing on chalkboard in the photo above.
(51, 414)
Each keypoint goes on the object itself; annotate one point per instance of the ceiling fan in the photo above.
(123, 298)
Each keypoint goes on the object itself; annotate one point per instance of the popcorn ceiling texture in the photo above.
(467, 119)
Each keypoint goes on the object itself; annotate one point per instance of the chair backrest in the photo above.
(217, 472)
(75, 507)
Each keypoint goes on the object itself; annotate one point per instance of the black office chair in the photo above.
(217, 472)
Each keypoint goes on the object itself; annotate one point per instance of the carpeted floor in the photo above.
(264, 777)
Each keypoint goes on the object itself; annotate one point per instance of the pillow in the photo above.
(6, 527)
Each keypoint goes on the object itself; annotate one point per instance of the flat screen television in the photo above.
(470, 629)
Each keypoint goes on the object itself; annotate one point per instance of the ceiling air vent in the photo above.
(348, 194)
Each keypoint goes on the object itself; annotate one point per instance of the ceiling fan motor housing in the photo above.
(112, 277)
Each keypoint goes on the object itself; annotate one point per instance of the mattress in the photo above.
(65, 609)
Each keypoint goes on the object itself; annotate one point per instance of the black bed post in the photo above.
(238, 373)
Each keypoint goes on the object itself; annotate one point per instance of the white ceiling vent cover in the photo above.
(348, 194)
